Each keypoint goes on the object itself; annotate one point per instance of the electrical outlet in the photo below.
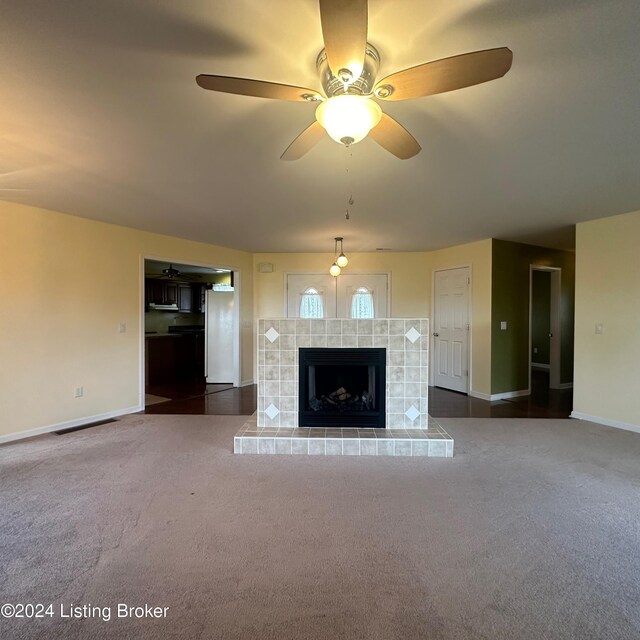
(599, 328)
(535, 349)
(79, 392)
(503, 325)
(122, 327)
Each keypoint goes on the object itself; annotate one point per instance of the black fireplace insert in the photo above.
(342, 388)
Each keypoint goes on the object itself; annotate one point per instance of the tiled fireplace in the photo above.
(406, 342)
(393, 382)
(342, 388)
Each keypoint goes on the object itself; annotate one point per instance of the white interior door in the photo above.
(451, 329)
(220, 365)
(298, 284)
(375, 283)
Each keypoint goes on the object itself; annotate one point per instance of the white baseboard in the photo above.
(606, 422)
(539, 365)
(565, 385)
(481, 396)
(499, 396)
(247, 383)
(69, 424)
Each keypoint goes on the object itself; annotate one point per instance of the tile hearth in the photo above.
(434, 442)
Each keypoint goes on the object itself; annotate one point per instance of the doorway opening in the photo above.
(544, 328)
(190, 342)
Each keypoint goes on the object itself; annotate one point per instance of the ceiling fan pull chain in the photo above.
(349, 183)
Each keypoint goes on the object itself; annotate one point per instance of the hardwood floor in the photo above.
(204, 399)
(226, 400)
(182, 390)
(542, 403)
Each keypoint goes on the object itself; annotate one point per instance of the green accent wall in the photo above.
(510, 303)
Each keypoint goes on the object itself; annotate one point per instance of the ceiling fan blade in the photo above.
(304, 142)
(344, 29)
(444, 75)
(393, 137)
(257, 88)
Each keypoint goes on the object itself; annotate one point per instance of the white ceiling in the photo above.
(100, 117)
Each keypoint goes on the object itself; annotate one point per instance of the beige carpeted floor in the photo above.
(531, 532)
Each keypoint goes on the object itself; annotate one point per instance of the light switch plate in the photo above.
(503, 325)
(599, 328)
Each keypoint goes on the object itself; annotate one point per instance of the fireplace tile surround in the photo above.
(405, 339)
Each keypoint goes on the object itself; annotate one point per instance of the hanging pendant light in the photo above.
(340, 261)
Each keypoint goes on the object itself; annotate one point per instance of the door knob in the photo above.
(436, 334)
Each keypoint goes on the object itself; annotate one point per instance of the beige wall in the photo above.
(408, 298)
(67, 284)
(607, 365)
(477, 255)
(411, 285)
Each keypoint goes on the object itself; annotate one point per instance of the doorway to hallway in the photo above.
(544, 323)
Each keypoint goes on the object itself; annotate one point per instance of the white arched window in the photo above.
(311, 305)
(362, 303)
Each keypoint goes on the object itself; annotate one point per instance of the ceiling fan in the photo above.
(347, 66)
(172, 274)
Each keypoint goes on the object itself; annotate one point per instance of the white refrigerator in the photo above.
(219, 362)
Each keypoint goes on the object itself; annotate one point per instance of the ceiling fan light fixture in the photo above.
(348, 118)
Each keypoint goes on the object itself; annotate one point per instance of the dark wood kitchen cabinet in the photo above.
(199, 291)
(160, 291)
(152, 292)
(189, 296)
(162, 357)
(170, 293)
(174, 358)
(185, 297)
